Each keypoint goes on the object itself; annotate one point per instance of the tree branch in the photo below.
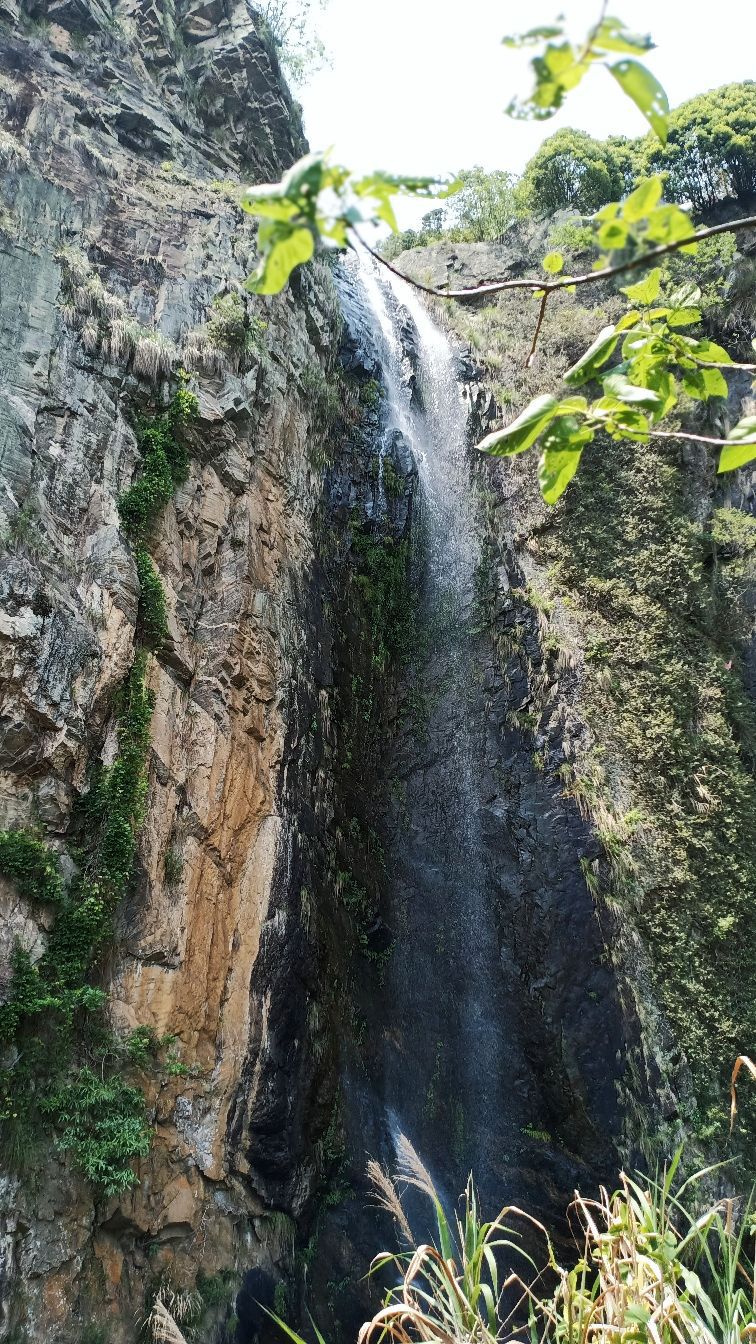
(696, 438)
(537, 332)
(565, 281)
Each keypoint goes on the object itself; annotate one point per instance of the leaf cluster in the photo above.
(294, 217)
(658, 360)
(560, 66)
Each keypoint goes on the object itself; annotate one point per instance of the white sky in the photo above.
(420, 85)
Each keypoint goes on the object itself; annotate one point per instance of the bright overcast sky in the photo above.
(420, 85)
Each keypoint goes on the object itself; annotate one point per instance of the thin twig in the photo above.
(593, 34)
(695, 438)
(565, 281)
(537, 332)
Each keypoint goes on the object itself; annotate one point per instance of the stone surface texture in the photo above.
(121, 125)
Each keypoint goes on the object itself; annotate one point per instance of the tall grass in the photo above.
(654, 1262)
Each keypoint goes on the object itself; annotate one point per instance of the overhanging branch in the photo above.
(547, 287)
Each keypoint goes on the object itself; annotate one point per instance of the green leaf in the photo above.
(687, 296)
(715, 383)
(304, 178)
(646, 92)
(744, 429)
(629, 319)
(530, 38)
(612, 235)
(268, 203)
(668, 224)
(570, 405)
(563, 444)
(523, 431)
(614, 36)
(283, 246)
(661, 381)
(609, 211)
(741, 445)
(710, 352)
(645, 291)
(641, 202)
(616, 415)
(683, 317)
(618, 385)
(596, 355)
(553, 263)
(557, 70)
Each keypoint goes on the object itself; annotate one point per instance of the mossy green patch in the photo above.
(654, 591)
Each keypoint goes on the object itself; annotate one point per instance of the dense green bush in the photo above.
(382, 581)
(487, 205)
(48, 1000)
(51, 1006)
(232, 330)
(572, 171)
(103, 1121)
(153, 624)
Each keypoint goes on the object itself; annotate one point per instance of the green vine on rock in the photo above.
(52, 1012)
(65, 1064)
(164, 463)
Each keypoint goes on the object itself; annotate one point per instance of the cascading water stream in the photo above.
(447, 1057)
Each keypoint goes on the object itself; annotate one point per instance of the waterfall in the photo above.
(448, 1059)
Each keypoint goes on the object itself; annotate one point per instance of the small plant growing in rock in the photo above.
(173, 867)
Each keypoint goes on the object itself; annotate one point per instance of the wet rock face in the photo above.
(104, 254)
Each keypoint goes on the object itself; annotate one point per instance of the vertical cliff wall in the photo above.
(121, 254)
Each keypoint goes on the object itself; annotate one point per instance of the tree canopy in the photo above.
(710, 154)
(572, 171)
(486, 204)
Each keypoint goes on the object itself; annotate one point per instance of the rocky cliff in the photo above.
(121, 255)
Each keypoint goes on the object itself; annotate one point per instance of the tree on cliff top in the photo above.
(572, 171)
(710, 154)
(299, 47)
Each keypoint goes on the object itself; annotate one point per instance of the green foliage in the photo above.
(560, 66)
(658, 362)
(152, 620)
(323, 396)
(164, 462)
(103, 1122)
(293, 215)
(51, 1000)
(232, 329)
(280, 1298)
(393, 481)
(27, 862)
(572, 171)
(572, 236)
(383, 584)
(216, 1290)
(485, 205)
(710, 153)
(289, 25)
(666, 699)
(173, 867)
